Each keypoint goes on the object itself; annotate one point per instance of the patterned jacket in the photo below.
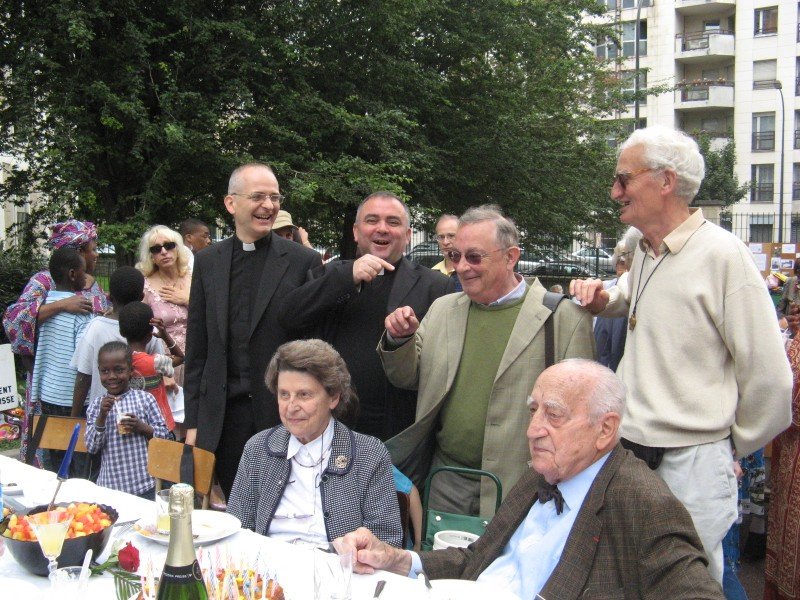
(357, 487)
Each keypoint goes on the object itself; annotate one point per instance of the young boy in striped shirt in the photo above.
(53, 377)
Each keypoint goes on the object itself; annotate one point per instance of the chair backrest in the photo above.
(53, 433)
(164, 463)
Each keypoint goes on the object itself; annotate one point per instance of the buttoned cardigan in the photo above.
(356, 486)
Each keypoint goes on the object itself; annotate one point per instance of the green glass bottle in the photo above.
(181, 578)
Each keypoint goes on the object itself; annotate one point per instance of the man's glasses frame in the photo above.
(473, 257)
(157, 248)
(261, 196)
(623, 178)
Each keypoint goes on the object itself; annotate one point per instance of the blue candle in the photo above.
(63, 471)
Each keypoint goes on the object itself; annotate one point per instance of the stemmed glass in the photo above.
(51, 529)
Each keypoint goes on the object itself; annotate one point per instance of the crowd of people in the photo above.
(614, 417)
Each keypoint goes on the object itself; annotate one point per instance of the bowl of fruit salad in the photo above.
(90, 528)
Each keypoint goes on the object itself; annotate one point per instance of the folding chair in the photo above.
(164, 459)
(435, 521)
(51, 432)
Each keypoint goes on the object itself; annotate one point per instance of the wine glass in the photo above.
(51, 528)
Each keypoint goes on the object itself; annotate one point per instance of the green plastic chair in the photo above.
(435, 521)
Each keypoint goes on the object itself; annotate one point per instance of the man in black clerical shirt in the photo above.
(233, 328)
(346, 301)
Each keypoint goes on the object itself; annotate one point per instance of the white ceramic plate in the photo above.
(207, 526)
(457, 589)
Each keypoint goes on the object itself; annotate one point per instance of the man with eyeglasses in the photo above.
(233, 328)
(707, 376)
(346, 301)
(446, 228)
(471, 358)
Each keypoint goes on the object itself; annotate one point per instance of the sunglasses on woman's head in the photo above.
(156, 248)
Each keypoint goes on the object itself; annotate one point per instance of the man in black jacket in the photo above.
(233, 329)
(346, 301)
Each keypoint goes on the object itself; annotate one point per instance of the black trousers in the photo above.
(238, 427)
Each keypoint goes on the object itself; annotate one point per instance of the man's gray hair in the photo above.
(506, 234)
(606, 390)
(235, 181)
(384, 194)
(667, 148)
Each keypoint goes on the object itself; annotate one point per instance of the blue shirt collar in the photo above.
(574, 489)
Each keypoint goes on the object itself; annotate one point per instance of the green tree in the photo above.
(131, 113)
(720, 186)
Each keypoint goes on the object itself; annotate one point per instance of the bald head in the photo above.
(576, 408)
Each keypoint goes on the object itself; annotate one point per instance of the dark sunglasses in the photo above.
(623, 179)
(472, 257)
(156, 248)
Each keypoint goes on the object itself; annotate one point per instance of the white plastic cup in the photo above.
(453, 539)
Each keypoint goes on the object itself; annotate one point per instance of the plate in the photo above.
(459, 589)
(207, 526)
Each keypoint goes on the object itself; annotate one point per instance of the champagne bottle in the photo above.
(182, 578)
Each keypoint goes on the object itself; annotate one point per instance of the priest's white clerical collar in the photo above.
(253, 246)
(248, 247)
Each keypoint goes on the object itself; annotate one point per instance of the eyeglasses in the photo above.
(472, 257)
(623, 179)
(156, 248)
(261, 196)
(445, 236)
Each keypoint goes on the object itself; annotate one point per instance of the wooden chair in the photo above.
(51, 432)
(164, 463)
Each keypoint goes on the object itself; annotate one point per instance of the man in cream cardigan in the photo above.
(708, 380)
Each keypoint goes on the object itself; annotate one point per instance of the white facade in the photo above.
(726, 56)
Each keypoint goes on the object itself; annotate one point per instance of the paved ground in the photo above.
(751, 575)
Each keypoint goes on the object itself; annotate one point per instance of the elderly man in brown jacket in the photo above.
(604, 526)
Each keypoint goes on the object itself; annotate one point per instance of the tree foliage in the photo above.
(131, 113)
(720, 186)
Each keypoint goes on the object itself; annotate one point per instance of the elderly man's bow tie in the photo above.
(551, 492)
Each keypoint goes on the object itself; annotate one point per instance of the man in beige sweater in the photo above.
(707, 376)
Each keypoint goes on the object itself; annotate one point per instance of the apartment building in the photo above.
(734, 69)
(10, 213)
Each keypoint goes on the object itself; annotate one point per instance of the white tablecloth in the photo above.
(292, 564)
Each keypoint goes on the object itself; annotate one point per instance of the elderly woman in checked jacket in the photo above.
(311, 478)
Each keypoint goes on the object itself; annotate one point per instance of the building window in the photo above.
(633, 3)
(763, 131)
(764, 74)
(628, 88)
(796, 182)
(761, 228)
(629, 38)
(606, 49)
(766, 20)
(797, 129)
(610, 4)
(794, 233)
(762, 184)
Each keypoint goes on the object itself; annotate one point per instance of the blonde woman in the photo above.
(164, 261)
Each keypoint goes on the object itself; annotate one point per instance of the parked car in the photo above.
(425, 253)
(562, 269)
(529, 260)
(592, 258)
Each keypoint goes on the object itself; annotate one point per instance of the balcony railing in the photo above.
(797, 139)
(796, 190)
(762, 192)
(763, 140)
(698, 40)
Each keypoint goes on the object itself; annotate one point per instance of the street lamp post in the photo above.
(778, 86)
(636, 63)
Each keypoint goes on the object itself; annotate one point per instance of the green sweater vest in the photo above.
(463, 415)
